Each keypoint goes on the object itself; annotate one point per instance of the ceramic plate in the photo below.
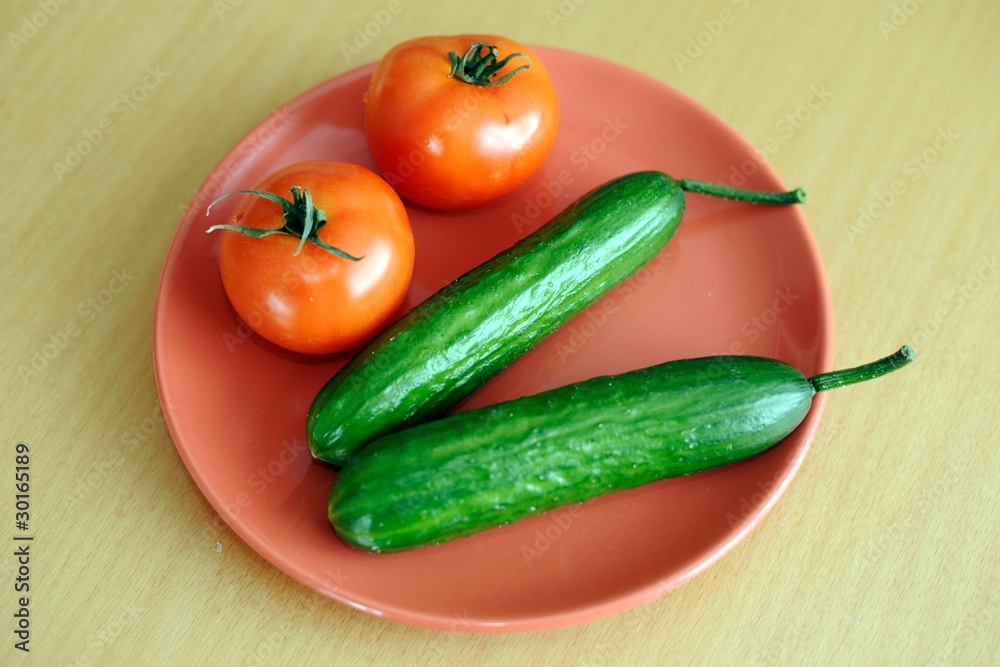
(736, 278)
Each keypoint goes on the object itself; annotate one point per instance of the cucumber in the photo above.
(450, 345)
(482, 468)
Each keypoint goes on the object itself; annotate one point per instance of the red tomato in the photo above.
(310, 299)
(446, 143)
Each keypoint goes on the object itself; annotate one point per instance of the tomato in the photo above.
(447, 143)
(313, 286)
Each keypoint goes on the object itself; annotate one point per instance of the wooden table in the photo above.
(883, 550)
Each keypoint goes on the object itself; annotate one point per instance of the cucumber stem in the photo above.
(796, 196)
(841, 378)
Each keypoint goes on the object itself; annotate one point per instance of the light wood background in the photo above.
(883, 551)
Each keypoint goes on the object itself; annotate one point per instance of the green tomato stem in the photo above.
(478, 68)
(300, 216)
(870, 371)
(796, 196)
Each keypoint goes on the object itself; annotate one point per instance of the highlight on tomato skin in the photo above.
(318, 256)
(456, 122)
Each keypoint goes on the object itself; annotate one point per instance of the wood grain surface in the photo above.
(884, 549)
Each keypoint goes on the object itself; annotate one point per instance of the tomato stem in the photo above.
(870, 371)
(796, 196)
(301, 219)
(478, 68)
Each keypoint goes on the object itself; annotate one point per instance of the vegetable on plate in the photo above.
(318, 257)
(482, 468)
(454, 342)
(455, 122)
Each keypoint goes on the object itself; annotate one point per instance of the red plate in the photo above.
(736, 278)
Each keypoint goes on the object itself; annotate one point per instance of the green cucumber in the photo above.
(482, 468)
(450, 345)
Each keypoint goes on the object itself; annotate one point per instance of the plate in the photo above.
(736, 278)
